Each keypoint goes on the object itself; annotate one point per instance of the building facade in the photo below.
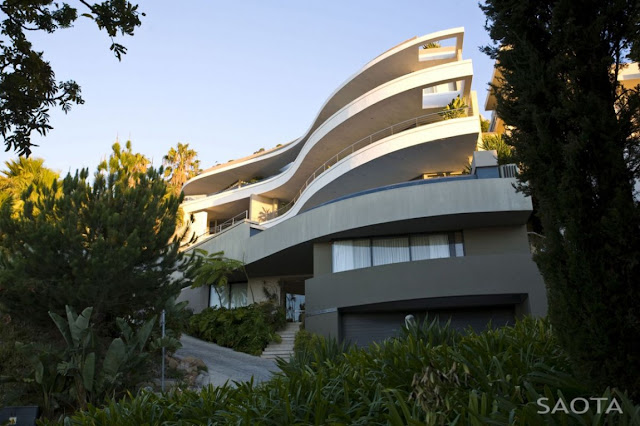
(374, 213)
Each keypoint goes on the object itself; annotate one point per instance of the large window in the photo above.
(390, 250)
(351, 254)
(228, 296)
(365, 252)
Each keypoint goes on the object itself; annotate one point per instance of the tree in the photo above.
(575, 134)
(20, 175)
(125, 164)
(181, 164)
(496, 142)
(28, 88)
(484, 124)
(106, 245)
(213, 269)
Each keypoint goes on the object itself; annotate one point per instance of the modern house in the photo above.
(372, 214)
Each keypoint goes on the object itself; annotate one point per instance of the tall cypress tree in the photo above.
(575, 133)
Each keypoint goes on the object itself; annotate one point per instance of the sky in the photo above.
(228, 78)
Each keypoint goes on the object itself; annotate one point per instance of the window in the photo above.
(432, 246)
(228, 296)
(366, 252)
(351, 254)
(238, 295)
(390, 250)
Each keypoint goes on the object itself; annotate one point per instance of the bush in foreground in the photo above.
(247, 329)
(430, 375)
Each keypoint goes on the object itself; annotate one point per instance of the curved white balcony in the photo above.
(405, 58)
(388, 103)
(371, 166)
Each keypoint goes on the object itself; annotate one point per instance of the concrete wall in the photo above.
(482, 275)
(454, 203)
(322, 259)
(232, 241)
(259, 204)
(198, 298)
(496, 240)
(257, 286)
(327, 324)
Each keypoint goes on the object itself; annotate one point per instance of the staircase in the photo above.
(283, 349)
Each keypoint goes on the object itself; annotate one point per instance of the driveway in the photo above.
(225, 364)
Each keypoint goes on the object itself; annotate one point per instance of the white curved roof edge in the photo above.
(439, 35)
(437, 131)
(441, 73)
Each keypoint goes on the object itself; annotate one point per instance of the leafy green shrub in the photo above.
(430, 375)
(247, 329)
(83, 371)
(454, 109)
(12, 363)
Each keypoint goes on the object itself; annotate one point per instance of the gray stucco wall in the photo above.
(496, 240)
(460, 201)
(327, 324)
(481, 275)
(198, 298)
(233, 242)
(322, 259)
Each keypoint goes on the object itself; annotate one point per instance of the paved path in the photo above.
(226, 364)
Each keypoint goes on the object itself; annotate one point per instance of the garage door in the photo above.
(363, 328)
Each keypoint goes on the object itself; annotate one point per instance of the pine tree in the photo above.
(105, 244)
(576, 137)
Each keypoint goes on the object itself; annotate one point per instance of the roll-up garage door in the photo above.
(363, 328)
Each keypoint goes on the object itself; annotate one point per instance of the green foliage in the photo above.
(432, 45)
(12, 363)
(127, 166)
(576, 137)
(305, 341)
(20, 176)
(181, 164)
(28, 88)
(106, 244)
(455, 109)
(247, 329)
(83, 372)
(484, 124)
(505, 152)
(213, 269)
(430, 375)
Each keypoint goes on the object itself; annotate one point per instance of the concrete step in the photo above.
(274, 357)
(284, 349)
(278, 348)
(276, 353)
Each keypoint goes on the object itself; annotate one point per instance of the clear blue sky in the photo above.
(228, 78)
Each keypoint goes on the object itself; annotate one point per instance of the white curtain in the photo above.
(219, 296)
(390, 250)
(351, 254)
(361, 254)
(432, 246)
(238, 295)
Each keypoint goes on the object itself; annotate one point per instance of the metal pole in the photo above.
(162, 321)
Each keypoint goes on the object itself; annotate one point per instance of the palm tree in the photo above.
(505, 152)
(181, 165)
(127, 164)
(21, 174)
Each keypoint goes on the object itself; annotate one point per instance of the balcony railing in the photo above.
(240, 217)
(356, 146)
(508, 170)
(374, 137)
